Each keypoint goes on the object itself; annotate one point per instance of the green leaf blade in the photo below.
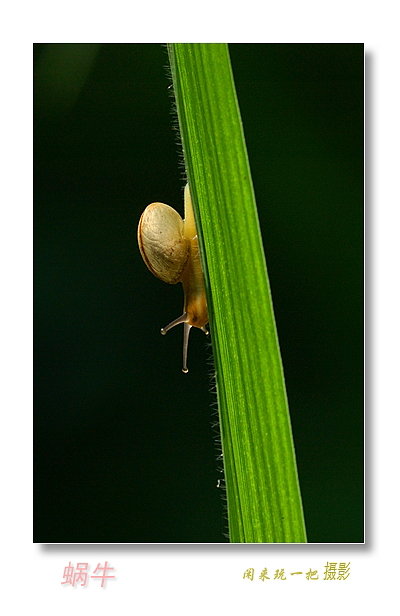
(264, 503)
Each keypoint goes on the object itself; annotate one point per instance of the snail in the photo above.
(170, 250)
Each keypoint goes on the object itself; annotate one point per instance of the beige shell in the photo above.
(164, 248)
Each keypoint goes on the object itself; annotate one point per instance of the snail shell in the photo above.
(164, 248)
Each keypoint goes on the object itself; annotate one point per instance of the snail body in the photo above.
(170, 250)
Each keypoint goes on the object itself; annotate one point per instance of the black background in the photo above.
(124, 449)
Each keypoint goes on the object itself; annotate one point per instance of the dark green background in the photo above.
(124, 448)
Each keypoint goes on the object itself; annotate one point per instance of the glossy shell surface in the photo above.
(164, 248)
